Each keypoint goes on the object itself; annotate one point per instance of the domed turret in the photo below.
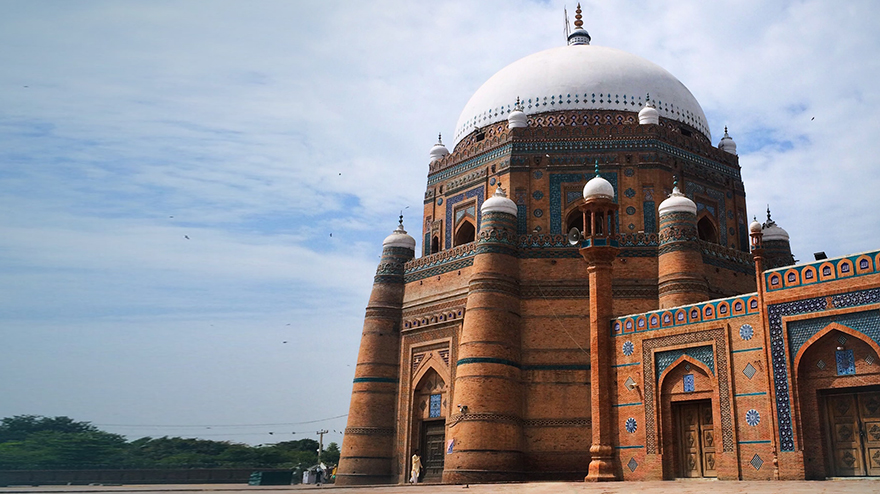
(755, 226)
(517, 117)
(680, 262)
(777, 248)
(399, 238)
(579, 36)
(649, 114)
(499, 203)
(727, 143)
(598, 188)
(677, 203)
(439, 150)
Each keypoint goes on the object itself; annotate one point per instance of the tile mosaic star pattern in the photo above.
(631, 425)
(746, 331)
(753, 418)
(628, 348)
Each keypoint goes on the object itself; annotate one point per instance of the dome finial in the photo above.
(674, 184)
(579, 36)
(439, 138)
(578, 23)
(597, 167)
(768, 213)
(725, 131)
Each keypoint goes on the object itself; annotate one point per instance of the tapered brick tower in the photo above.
(599, 248)
(368, 450)
(486, 429)
(680, 263)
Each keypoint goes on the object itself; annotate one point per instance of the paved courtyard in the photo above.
(857, 486)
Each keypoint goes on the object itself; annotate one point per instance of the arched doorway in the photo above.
(430, 397)
(706, 230)
(690, 434)
(838, 386)
(435, 244)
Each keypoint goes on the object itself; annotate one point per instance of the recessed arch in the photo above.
(464, 233)
(574, 219)
(435, 244)
(706, 229)
(827, 329)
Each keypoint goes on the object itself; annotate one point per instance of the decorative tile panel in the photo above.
(632, 464)
(753, 418)
(434, 407)
(749, 371)
(627, 348)
(479, 193)
(631, 425)
(756, 462)
(688, 383)
(846, 362)
(702, 353)
(746, 331)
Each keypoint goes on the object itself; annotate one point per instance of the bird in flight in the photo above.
(186, 237)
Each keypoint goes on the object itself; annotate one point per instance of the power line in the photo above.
(213, 426)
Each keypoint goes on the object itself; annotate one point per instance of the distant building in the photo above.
(674, 338)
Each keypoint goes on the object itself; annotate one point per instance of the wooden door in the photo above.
(432, 456)
(869, 414)
(696, 439)
(843, 425)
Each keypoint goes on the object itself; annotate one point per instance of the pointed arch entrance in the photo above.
(689, 400)
(838, 390)
(428, 434)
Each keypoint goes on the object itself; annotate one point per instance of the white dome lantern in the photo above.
(598, 188)
(439, 150)
(399, 238)
(517, 118)
(649, 114)
(579, 36)
(727, 143)
(498, 203)
(580, 77)
(677, 203)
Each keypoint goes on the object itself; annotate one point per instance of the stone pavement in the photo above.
(848, 486)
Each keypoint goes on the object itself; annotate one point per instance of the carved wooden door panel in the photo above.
(432, 457)
(843, 424)
(869, 413)
(707, 433)
(689, 440)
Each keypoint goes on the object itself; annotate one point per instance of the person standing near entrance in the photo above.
(416, 468)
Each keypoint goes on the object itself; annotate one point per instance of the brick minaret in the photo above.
(488, 395)
(599, 248)
(680, 263)
(368, 449)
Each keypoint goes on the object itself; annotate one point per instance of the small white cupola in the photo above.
(579, 36)
(439, 150)
(755, 226)
(648, 114)
(399, 238)
(498, 203)
(517, 117)
(727, 143)
(598, 188)
(677, 203)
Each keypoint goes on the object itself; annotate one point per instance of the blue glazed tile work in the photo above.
(846, 362)
(841, 267)
(479, 193)
(780, 363)
(649, 210)
(522, 222)
(695, 188)
(867, 323)
(434, 409)
(688, 383)
(703, 354)
(556, 181)
(720, 309)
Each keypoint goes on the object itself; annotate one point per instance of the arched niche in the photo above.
(706, 229)
(464, 233)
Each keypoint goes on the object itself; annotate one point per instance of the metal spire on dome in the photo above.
(518, 105)
(597, 161)
(440, 138)
(579, 36)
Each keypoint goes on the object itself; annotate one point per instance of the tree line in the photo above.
(35, 442)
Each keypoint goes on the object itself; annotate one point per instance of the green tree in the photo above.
(330, 456)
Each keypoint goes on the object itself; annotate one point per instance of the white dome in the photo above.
(499, 203)
(439, 150)
(517, 119)
(580, 77)
(598, 188)
(677, 203)
(649, 115)
(399, 238)
(727, 143)
(755, 227)
(775, 233)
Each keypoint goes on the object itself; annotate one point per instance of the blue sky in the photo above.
(171, 172)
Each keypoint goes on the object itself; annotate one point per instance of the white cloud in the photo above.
(237, 119)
